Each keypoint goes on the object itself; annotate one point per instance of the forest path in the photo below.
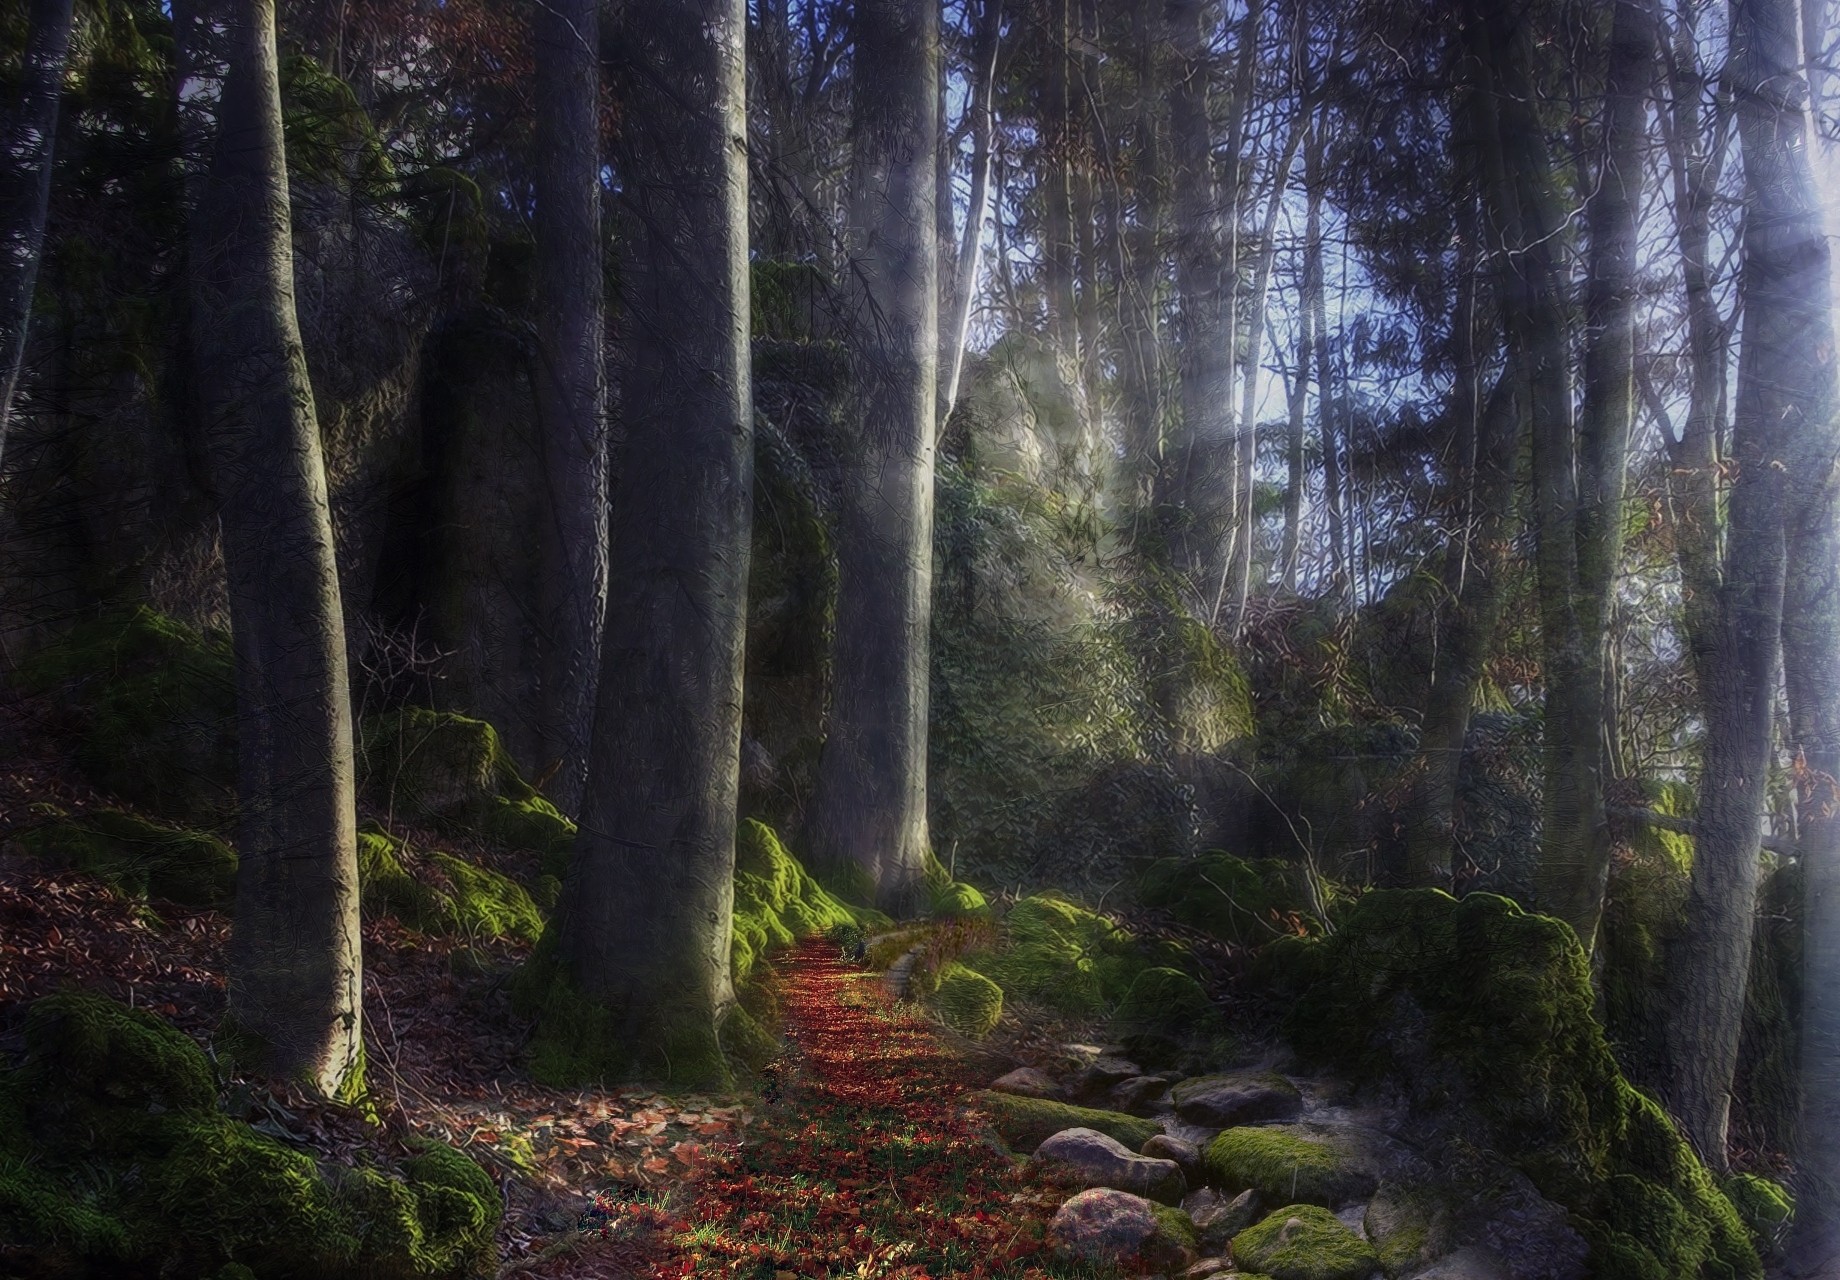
(861, 1164)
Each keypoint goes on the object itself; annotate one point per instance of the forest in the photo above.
(900, 639)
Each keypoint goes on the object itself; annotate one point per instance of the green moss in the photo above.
(1177, 1226)
(1060, 955)
(151, 707)
(747, 1041)
(959, 899)
(94, 1048)
(532, 823)
(969, 1002)
(777, 902)
(450, 896)
(1280, 1164)
(1025, 1123)
(1304, 1242)
(1764, 1207)
(1166, 1001)
(1246, 902)
(1504, 1000)
(137, 857)
(39, 1212)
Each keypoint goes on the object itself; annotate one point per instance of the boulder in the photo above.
(1025, 1123)
(1088, 1158)
(1234, 1098)
(1027, 1082)
(1408, 1226)
(1186, 1155)
(1106, 1071)
(1304, 1164)
(1218, 1219)
(1115, 1228)
(1304, 1242)
(1137, 1096)
(1469, 1263)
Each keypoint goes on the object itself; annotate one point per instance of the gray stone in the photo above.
(1028, 1082)
(1112, 1227)
(1205, 1268)
(1186, 1155)
(1104, 1072)
(1236, 1098)
(1137, 1096)
(1088, 1158)
(1219, 1222)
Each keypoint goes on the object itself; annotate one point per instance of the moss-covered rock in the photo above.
(446, 895)
(126, 1164)
(1059, 954)
(1304, 1242)
(1025, 1122)
(1282, 1162)
(137, 857)
(1486, 1014)
(1765, 1208)
(1244, 901)
(151, 708)
(969, 1002)
(1166, 1001)
(777, 902)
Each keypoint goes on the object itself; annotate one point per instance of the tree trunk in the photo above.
(1140, 312)
(294, 967)
(868, 813)
(26, 159)
(971, 244)
(646, 922)
(1193, 497)
(1315, 301)
(1789, 357)
(1056, 170)
(571, 380)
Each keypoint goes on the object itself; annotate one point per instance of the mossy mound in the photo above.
(1025, 1123)
(1486, 1013)
(137, 857)
(969, 1002)
(1166, 1002)
(1282, 1163)
(1304, 1242)
(1765, 1208)
(151, 708)
(446, 895)
(453, 772)
(125, 1165)
(1058, 954)
(777, 902)
(1246, 902)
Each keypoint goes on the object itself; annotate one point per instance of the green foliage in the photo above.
(137, 857)
(969, 1002)
(150, 706)
(329, 137)
(1247, 902)
(447, 894)
(126, 1163)
(1304, 1242)
(1281, 1164)
(1503, 1002)
(1025, 1123)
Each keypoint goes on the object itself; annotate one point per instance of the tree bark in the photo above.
(646, 921)
(571, 380)
(1140, 310)
(294, 967)
(867, 819)
(1789, 355)
(971, 244)
(1315, 300)
(26, 160)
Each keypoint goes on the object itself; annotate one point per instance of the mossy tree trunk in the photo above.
(1787, 380)
(571, 381)
(294, 968)
(868, 810)
(27, 153)
(644, 930)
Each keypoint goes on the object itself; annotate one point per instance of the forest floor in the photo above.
(860, 1163)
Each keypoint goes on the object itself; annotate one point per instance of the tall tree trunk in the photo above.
(571, 380)
(1789, 351)
(971, 244)
(1315, 300)
(294, 968)
(646, 920)
(1058, 136)
(1290, 550)
(26, 158)
(868, 812)
(1194, 498)
(1141, 279)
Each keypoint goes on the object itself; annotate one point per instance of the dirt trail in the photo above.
(861, 1164)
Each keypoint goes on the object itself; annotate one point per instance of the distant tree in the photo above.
(294, 968)
(868, 811)
(646, 917)
(27, 153)
(571, 379)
